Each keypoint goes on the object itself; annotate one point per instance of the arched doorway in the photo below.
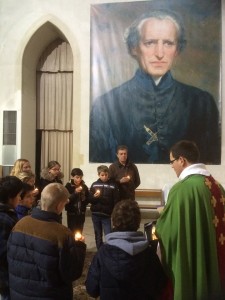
(54, 136)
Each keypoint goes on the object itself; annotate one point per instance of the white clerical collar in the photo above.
(157, 81)
(194, 169)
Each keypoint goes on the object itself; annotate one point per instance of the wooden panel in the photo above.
(149, 193)
(149, 198)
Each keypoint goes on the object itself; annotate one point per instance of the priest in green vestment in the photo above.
(191, 229)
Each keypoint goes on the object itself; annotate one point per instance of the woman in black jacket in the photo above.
(50, 174)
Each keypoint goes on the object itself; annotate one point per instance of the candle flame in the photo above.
(78, 235)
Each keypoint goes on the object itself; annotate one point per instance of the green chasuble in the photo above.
(189, 241)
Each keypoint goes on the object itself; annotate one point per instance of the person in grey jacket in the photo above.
(125, 267)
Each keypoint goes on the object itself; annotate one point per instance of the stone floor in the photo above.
(79, 290)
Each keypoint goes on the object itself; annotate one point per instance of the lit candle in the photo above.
(78, 236)
(80, 187)
(128, 177)
(35, 192)
(154, 237)
(97, 192)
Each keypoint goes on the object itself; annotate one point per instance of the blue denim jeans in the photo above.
(101, 223)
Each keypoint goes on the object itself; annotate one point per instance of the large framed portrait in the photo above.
(155, 79)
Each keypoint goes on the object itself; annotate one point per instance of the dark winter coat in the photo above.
(47, 178)
(78, 201)
(150, 118)
(8, 219)
(117, 171)
(125, 268)
(109, 196)
(43, 258)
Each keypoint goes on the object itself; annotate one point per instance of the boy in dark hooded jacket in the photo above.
(125, 267)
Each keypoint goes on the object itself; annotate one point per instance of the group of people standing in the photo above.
(39, 257)
(191, 241)
(116, 182)
(39, 201)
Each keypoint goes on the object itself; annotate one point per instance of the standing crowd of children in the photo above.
(102, 195)
(21, 195)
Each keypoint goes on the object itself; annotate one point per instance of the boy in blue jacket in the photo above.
(104, 194)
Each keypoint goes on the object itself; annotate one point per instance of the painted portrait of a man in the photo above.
(153, 108)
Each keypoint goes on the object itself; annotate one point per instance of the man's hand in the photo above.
(125, 179)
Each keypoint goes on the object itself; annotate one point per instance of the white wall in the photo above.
(19, 20)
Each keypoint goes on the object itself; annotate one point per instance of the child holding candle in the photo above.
(78, 201)
(104, 194)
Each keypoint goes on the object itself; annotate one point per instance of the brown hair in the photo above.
(52, 164)
(121, 147)
(102, 168)
(126, 216)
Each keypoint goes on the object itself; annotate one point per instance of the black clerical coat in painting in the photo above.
(150, 118)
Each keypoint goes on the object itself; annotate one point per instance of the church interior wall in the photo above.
(27, 27)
